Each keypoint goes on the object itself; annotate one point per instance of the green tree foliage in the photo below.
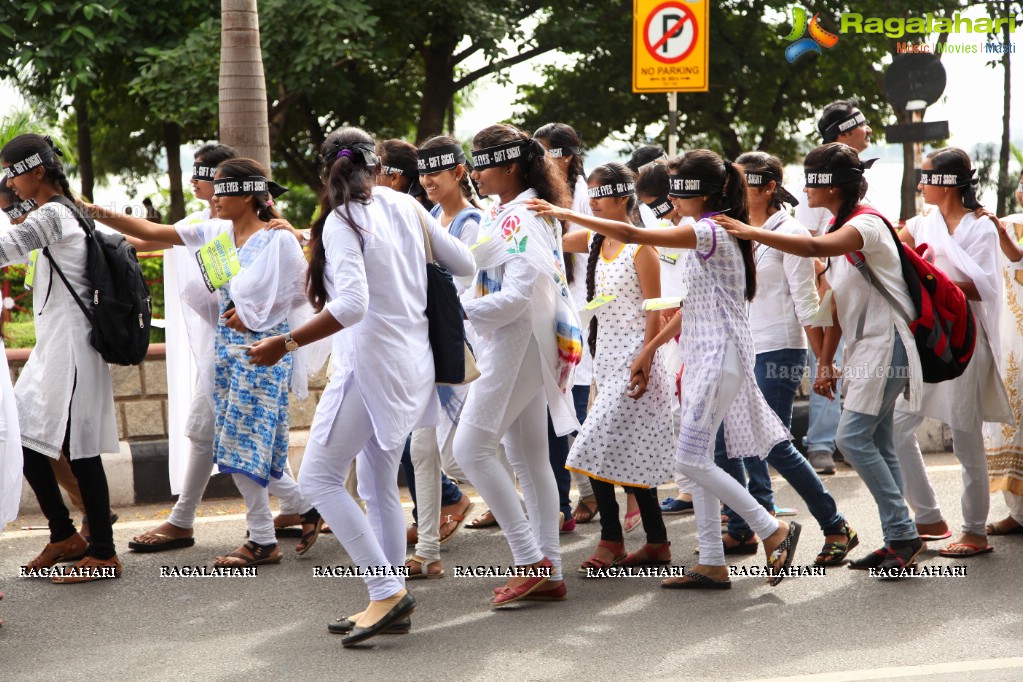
(756, 99)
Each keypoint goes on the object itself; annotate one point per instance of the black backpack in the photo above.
(121, 311)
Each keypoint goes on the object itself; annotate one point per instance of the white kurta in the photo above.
(786, 299)
(377, 291)
(520, 300)
(190, 318)
(869, 357)
(971, 253)
(63, 368)
(714, 317)
(10, 447)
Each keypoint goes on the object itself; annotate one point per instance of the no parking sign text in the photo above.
(669, 45)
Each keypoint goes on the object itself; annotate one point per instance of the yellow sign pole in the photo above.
(672, 124)
(670, 52)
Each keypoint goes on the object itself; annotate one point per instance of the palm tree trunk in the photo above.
(1004, 188)
(243, 111)
(172, 143)
(84, 141)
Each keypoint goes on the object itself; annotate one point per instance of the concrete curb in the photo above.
(138, 473)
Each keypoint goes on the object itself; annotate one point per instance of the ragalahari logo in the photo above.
(819, 36)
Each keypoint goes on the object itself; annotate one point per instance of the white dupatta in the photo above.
(974, 252)
(10, 447)
(509, 231)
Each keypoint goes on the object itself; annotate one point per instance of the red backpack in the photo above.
(942, 323)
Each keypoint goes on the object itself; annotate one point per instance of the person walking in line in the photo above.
(368, 280)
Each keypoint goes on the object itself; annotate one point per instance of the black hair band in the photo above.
(560, 152)
(827, 177)
(687, 185)
(939, 179)
(203, 172)
(844, 125)
(759, 178)
(612, 189)
(438, 159)
(499, 155)
(15, 211)
(25, 165)
(661, 207)
(248, 185)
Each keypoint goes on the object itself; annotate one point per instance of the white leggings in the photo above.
(197, 477)
(968, 446)
(375, 541)
(525, 439)
(426, 461)
(711, 485)
(258, 518)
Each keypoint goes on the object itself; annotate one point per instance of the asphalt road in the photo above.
(842, 626)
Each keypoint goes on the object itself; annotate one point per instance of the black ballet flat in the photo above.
(400, 610)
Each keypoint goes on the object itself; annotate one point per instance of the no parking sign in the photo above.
(669, 46)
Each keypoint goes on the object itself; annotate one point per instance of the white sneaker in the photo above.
(822, 462)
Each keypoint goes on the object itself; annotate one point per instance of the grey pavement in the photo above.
(842, 626)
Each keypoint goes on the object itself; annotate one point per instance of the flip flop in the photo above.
(974, 550)
(632, 520)
(589, 511)
(487, 520)
(166, 543)
(935, 538)
(697, 581)
(788, 545)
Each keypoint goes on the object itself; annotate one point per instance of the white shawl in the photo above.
(10, 447)
(508, 232)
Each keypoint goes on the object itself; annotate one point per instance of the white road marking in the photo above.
(905, 671)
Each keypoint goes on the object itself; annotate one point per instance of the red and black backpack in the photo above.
(942, 322)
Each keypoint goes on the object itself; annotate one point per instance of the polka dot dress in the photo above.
(623, 440)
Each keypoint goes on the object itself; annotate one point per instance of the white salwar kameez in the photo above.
(383, 376)
(63, 369)
(514, 311)
(970, 254)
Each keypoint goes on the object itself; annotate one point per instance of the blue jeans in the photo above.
(449, 492)
(557, 449)
(868, 444)
(824, 413)
(778, 375)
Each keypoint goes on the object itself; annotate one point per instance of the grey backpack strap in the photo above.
(857, 260)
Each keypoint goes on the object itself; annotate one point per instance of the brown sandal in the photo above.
(250, 554)
(72, 549)
(584, 511)
(312, 525)
(419, 568)
(451, 518)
